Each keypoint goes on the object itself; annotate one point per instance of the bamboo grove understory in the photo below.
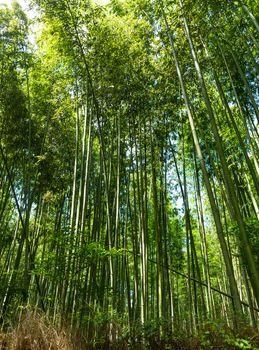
(129, 164)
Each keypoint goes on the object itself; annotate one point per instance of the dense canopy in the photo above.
(129, 167)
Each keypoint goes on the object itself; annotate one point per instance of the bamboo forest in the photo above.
(129, 163)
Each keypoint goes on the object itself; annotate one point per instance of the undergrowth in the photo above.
(34, 332)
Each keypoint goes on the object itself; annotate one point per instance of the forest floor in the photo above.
(32, 332)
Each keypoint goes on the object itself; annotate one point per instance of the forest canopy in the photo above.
(129, 166)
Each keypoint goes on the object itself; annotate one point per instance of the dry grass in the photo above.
(3, 342)
(34, 333)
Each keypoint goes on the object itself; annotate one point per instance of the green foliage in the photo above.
(104, 207)
(240, 343)
(216, 334)
(252, 225)
(96, 250)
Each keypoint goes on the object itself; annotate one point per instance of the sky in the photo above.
(8, 2)
(31, 13)
(24, 5)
